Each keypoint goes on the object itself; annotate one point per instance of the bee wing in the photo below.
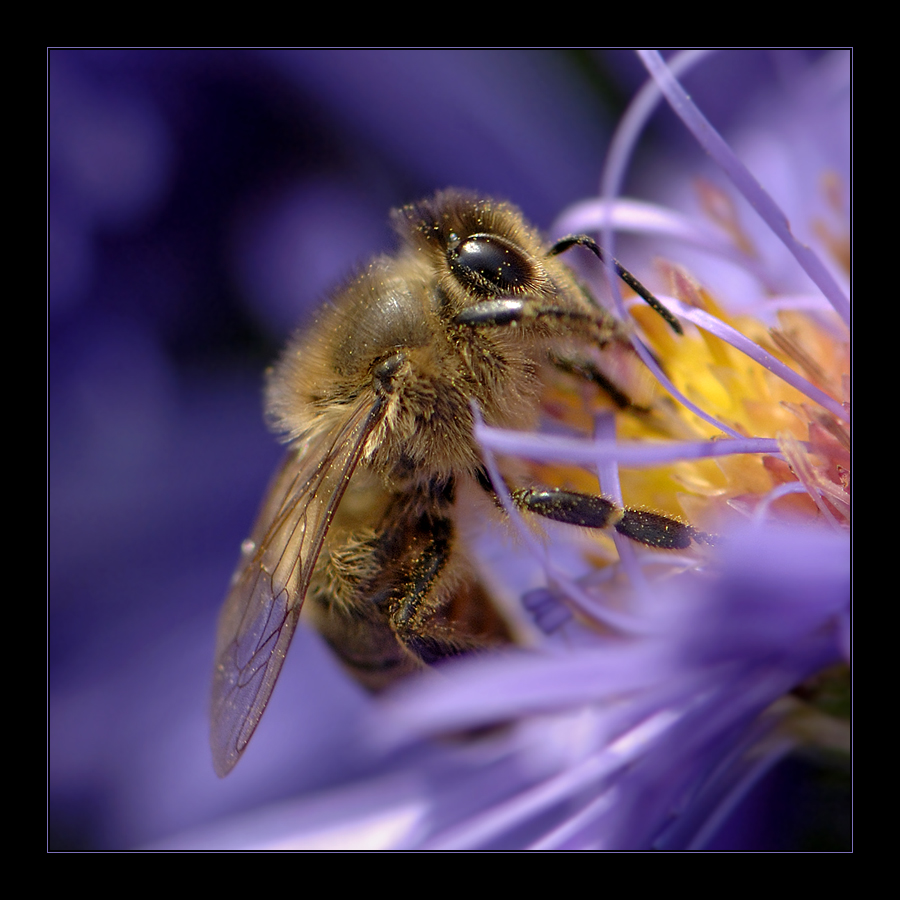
(261, 611)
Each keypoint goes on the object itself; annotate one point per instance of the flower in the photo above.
(675, 690)
(657, 689)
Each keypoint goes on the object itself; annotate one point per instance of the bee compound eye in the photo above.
(485, 260)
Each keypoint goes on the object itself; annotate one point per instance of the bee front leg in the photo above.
(586, 370)
(510, 311)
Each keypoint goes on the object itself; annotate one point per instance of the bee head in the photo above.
(481, 249)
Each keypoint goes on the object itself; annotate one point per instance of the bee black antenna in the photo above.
(583, 240)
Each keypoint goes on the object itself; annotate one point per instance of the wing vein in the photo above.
(262, 609)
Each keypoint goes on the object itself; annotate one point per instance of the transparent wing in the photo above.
(261, 611)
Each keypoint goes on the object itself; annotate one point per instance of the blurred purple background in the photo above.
(200, 201)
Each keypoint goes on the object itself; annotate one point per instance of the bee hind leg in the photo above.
(412, 611)
(438, 608)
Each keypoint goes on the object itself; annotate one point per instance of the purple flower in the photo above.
(657, 689)
(624, 741)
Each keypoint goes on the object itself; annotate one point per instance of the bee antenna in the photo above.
(582, 240)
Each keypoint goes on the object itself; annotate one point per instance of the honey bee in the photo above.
(375, 403)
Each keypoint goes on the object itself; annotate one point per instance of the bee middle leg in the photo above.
(595, 511)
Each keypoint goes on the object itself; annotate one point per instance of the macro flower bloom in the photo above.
(660, 699)
(658, 688)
